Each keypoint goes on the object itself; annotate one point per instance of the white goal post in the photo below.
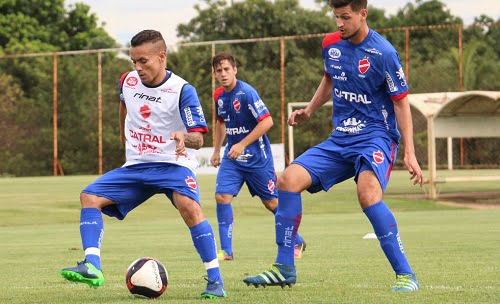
(291, 106)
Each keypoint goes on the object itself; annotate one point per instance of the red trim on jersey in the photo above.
(326, 75)
(399, 96)
(220, 119)
(122, 78)
(388, 173)
(199, 129)
(331, 39)
(264, 116)
(218, 92)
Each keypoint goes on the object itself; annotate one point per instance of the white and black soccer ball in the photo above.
(147, 278)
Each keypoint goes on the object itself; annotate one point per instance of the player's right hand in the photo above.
(215, 160)
(298, 117)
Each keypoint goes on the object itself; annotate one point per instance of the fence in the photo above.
(63, 119)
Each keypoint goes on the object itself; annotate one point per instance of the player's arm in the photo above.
(321, 96)
(260, 129)
(123, 114)
(219, 136)
(403, 116)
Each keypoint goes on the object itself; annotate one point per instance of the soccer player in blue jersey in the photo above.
(363, 75)
(161, 124)
(245, 119)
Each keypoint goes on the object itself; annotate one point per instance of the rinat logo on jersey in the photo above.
(352, 97)
(236, 131)
(147, 97)
(252, 111)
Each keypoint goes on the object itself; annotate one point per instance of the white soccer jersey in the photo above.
(153, 113)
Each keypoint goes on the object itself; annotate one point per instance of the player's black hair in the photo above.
(217, 59)
(356, 5)
(148, 36)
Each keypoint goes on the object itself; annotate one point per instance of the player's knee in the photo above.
(270, 204)
(223, 198)
(368, 197)
(90, 201)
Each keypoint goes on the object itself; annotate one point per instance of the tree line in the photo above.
(48, 26)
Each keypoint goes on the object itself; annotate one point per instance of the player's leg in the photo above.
(225, 220)
(291, 183)
(228, 184)
(204, 242)
(91, 232)
(370, 192)
(114, 194)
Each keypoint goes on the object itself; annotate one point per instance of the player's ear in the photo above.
(235, 70)
(364, 13)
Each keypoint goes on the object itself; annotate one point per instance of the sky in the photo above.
(124, 18)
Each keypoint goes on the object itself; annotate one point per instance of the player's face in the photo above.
(149, 62)
(226, 75)
(349, 22)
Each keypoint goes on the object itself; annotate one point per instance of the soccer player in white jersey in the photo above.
(363, 75)
(161, 122)
(245, 119)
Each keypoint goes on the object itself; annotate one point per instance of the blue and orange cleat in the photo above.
(84, 272)
(276, 275)
(214, 290)
(222, 255)
(405, 283)
(298, 250)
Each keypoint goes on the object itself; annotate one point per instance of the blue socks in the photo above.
(91, 232)
(298, 238)
(204, 241)
(386, 228)
(225, 219)
(287, 221)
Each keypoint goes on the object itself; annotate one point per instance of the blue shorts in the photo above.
(130, 186)
(260, 182)
(333, 161)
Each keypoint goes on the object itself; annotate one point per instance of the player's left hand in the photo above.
(180, 148)
(236, 151)
(413, 167)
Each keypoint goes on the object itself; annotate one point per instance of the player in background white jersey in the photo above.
(161, 123)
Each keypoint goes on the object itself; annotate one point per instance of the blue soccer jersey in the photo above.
(241, 109)
(367, 78)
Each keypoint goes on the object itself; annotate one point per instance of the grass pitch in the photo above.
(454, 251)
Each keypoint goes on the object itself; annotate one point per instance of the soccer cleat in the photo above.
(276, 275)
(214, 290)
(405, 283)
(299, 249)
(222, 255)
(84, 272)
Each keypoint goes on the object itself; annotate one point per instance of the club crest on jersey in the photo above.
(364, 65)
(191, 182)
(236, 104)
(378, 157)
(145, 111)
(271, 186)
(132, 81)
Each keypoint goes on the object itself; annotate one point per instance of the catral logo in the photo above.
(364, 65)
(145, 111)
(271, 186)
(132, 81)
(236, 104)
(378, 157)
(191, 182)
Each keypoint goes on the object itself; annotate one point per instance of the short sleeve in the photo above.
(191, 110)
(395, 78)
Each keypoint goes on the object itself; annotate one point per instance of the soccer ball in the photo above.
(146, 278)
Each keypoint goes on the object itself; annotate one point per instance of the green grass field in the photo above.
(454, 251)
